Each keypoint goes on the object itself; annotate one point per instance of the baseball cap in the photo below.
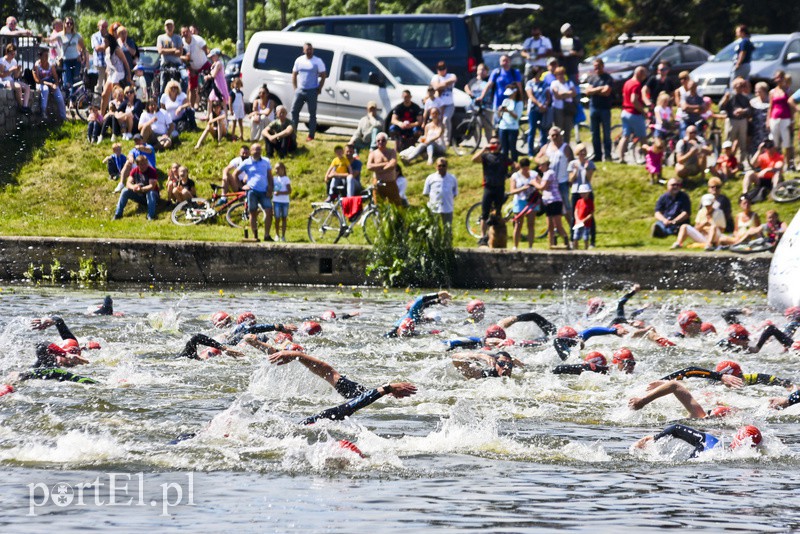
(584, 188)
(510, 90)
(707, 200)
(566, 26)
(215, 52)
(727, 144)
(168, 22)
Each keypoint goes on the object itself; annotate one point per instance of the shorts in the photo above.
(280, 209)
(633, 125)
(348, 388)
(519, 205)
(493, 199)
(553, 209)
(779, 128)
(582, 233)
(256, 199)
(194, 75)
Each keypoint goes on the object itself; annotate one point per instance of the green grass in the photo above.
(55, 184)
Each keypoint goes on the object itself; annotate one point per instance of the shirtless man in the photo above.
(383, 161)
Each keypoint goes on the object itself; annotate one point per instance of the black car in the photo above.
(646, 51)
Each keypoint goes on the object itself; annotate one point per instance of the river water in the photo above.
(534, 451)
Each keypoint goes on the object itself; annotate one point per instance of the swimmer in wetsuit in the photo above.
(358, 396)
(595, 305)
(190, 349)
(659, 389)
(596, 362)
(729, 373)
(330, 315)
(406, 324)
(568, 337)
(50, 362)
(495, 335)
(738, 337)
(107, 308)
(702, 441)
(779, 403)
(484, 365)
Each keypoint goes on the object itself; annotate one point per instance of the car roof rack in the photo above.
(625, 38)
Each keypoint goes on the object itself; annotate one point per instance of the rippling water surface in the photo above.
(532, 451)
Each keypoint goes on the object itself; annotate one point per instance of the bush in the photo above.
(412, 249)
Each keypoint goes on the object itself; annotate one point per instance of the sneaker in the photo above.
(309, 138)
(483, 241)
(677, 245)
(127, 136)
(119, 187)
(99, 139)
(710, 248)
(113, 138)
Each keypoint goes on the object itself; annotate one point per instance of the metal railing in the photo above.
(27, 49)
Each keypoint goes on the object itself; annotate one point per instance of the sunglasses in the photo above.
(505, 364)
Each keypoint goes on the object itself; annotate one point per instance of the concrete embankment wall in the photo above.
(12, 118)
(249, 263)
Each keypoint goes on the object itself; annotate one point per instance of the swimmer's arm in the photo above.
(465, 363)
(625, 298)
(693, 372)
(781, 403)
(46, 322)
(315, 365)
(689, 435)
(350, 315)
(71, 361)
(574, 369)
(546, 326)
(598, 331)
(770, 332)
(766, 380)
(277, 327)
(731, 316)
(253, 341)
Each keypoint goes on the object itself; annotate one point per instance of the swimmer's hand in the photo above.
(288, 328)
(42, 324)
(732, 381)
(444, 297)
(778, 403)
(233, 352)
(621, 330)
(644, 442)
(400, 390)
(636, 403)
(636, 287)
(654, 385)
(283, 357)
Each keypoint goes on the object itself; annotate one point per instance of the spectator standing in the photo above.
(495, 173)
(10, 75)
(369, 126)
(547, 185)
(536, 49)
(444, 82)
(658, 83)
(742, 54)
(55, 45)
(196, 56)
(654, 159)
(475, 89)
(508, 127)
(279, 134)
(98, 42)
(406, 121)
(559, 154)
(170, 48)
(441, 188)
(308, 78)
(539, 102)
(132, 111)
(581, 171)
(140, 84)
(599, 93)
(673, 208)
(759, 127)
(499, 79)
(74, 54)
(565, 104)
(524, 198)
(723, 202)
(431, 100)
(128, 46)
(572, 51)
(280, 200)
(117, 70)
(780, 113)
(691, 106)
(220, 88)
(662, 114)
(142, 188)
(633, 123)
(584, 217)
(383, 163)
(259, 186)
(263, 113)
(47, 82)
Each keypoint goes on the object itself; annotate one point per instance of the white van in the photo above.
(358, 71)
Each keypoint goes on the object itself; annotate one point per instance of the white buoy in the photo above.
(784, 271)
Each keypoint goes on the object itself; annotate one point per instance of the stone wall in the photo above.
(246, 263)
(11, 118)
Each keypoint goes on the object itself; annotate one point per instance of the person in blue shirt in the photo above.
(259, 187)
(742, 54)
(702, 441)
(499, 79)
(673, 209)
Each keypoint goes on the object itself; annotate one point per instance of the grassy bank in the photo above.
(55, 184)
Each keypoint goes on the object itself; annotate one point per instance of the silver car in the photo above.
(772, 53)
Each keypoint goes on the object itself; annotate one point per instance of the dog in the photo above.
(498, 233)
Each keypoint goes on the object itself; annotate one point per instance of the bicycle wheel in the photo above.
(473, 220)
(788, 191)
(191, 212)
(237, 215)
(83, 103)
(467, 135)
(522, 139)
(325, 225)
(372, 224)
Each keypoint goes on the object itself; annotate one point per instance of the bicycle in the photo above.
(198, 209)
(787, 191)
(473, 219)
(81, 99)
(327, 225)
(469, 132)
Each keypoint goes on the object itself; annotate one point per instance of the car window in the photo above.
(407, 70)
(362, 30)
(148, 58)
(794, 46)
(628, 54)
(692, 54)
(763, 51)
(311, 28)
(672, 54)
(281, 57)
(422, 34)
(357, 69)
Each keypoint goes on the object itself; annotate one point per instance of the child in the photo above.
(173, 178)
(653, 159)
(140, 84)
(584, 217)
(185, 188)
(116, 161)
(337, 174)
(217, 123)
(663, 116)
(402, 184)
(522, 190)
(237, 106)
(726, 166)
(94, 131)
(280, 200)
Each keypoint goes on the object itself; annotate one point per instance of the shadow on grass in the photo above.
(19, 147)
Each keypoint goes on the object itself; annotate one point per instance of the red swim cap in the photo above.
(567, 331)
(728, 367)
(312, 328)
(594, 305)
(720, 411)
(93, 345)
(745, 434)
(708, 328)
(406, 327)
(350, 446)
(685, 318)
(796, 345)
(295, 346)
(5, 389)
(475, 306)
(495, 331)
(595, 358)
(280, 337)
(71, 346)
(737, 331)
(622, 355)
(248, 317)
(55, 350)
(210, 352)
(220, 319)
(792, 313)
(328, 315)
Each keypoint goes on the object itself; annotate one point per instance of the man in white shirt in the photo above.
(99, 53)
(441, 188)
(445, 82)
(197, 57)
(536, 49)
(11, 28)
(308, 77)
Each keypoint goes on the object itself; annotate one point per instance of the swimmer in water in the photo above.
(246, 323)
(779, 403)
(484, 365)
(673, 387)
(729, 373)
(358, 396)
(330, 315)
(215, 348)
(596, 362)
(701, 441)
(595, 305)
(50, 362)
(476, 310)
(495, 335)
(405, 326)
(107, 308)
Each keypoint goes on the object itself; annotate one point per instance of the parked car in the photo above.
(428, 37)
(233, 69)
(646, 51)
(771, 53)
(358, 71)
(492, 53)
(150, 63)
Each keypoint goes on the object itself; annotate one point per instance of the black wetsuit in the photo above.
(578, 368)
(359, 397)
(190, 350)
(749, 379)
(107, 308)
(784, 337)
(238, 333)
(794, 398)
(620, 317)
(699, 440)
(46, 366)
(63, 329)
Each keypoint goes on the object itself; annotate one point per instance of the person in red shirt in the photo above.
(633, 123)
(770, 163)
(142, 187)
(727, 166)
(584, 217)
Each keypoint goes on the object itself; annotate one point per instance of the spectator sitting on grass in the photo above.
(279, 134)
(747, 226)
(183, 188)
(229, 183)
(709, 221)
(177, 105)
(156, 126)
(726, 166)
(142, 187)
(217, 124)
(673, 208)
(115, 162)
(140, 148)
(431, 142)
(369, 126)
(132, 110)
(766, 175)
(691, 153)
(715, 188)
